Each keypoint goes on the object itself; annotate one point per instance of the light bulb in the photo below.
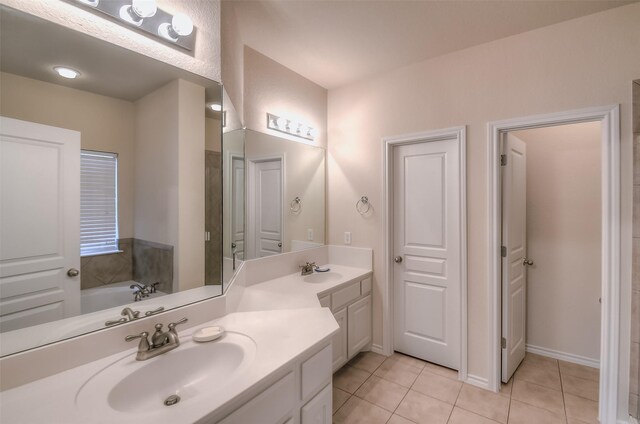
(281, 123)
(66, 72)
(215, 107)
(292, 127)
(182, 24)
(92, 3)
(144, 8)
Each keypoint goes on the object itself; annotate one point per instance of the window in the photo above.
(98, 203)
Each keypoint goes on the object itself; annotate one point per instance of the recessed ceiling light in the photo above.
(215, 107)
(66, 72)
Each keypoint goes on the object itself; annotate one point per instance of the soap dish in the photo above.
(208, 334)
(325, 269)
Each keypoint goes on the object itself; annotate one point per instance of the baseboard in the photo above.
(568, 357)
(481, 382)
(376, 348)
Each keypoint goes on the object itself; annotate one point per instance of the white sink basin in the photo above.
(322, 277)
(193, 371)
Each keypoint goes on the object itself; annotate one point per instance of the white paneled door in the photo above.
(39, 223)
(265, 208)
(427, 251)
(514, 249)
(237, 205)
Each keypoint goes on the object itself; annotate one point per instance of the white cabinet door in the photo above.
(39, 223)
(514, 239)
(359, 324)
(339, 341)
(318, 409)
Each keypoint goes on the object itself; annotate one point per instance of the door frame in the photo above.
(250, 211)
(458, 135)
(611, 314)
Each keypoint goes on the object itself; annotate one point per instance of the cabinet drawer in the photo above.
(345, 295)
(318, 410)
(325, 301)
(365, 286)
(269, 407)
(316, 372)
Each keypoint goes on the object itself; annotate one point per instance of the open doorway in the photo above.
(609, 387)
(551, 263)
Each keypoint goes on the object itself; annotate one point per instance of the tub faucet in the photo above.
(160, 343)
(139, 291)
(307, 268)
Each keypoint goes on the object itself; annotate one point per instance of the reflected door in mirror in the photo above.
(265, 207)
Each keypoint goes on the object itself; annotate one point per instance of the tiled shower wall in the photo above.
(140, 260)
(634, 385)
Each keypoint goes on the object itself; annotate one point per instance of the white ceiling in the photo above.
(334, 43)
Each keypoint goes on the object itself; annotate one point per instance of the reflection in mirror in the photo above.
(111, 185)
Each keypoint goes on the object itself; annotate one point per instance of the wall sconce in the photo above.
(145, 15)
(290, 126)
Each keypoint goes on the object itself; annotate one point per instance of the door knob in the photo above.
(398, 259)
(73, 272)
(527, 261)
(279, 244)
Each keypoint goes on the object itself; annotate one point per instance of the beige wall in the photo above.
(169, 176)
(564, 238)
(232, 52)
(304, 173)
(105, 124)
(212, 135)
(576, 64)
(204, 60)
(270, 87)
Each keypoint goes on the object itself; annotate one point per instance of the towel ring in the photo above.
(296, 205)
(363, 206)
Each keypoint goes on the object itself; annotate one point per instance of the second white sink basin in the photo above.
(190, 371)
(322, 277)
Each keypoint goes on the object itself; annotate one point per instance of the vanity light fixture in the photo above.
(145, 15)
(65, 72)
(290, 126)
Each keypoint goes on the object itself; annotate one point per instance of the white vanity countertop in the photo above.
(290, 291)
(280, 336)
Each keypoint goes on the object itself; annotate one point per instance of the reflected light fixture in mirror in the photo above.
(216, 107)
(66, 72)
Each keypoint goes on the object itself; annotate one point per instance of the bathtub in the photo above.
(109, 296)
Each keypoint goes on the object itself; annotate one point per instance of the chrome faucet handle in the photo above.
(154, 287)
(115, 322)
(144, 341)
(155, 311)
(172, 325)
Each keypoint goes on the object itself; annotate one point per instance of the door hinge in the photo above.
(504, 343)
(503, 160)
(503, 251)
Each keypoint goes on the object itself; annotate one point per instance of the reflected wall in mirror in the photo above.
(111, 189)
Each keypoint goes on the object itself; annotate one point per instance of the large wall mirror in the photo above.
(274, 195)
(131, 215)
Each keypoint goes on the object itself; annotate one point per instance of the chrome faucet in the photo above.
(130, 313)
(307, 268)
(161, 342)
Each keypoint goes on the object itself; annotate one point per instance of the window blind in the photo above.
(98, 202)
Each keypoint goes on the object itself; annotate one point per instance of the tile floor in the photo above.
(372, 389)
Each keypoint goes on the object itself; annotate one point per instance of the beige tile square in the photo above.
(540, 361)
(397, 419)
(339, 398)
(443, 371)
(460, 416)
(381, 392)
(406, 359)
(581, 408)
(400, 369)
(438, 387)
(580, 387)
(424, 409)
(539, 396)
(367, 361)
(580, 371)
(522, 413)
(483, 402)
(349, 379)
(358, 411)
(506, 388)
(541, 376)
